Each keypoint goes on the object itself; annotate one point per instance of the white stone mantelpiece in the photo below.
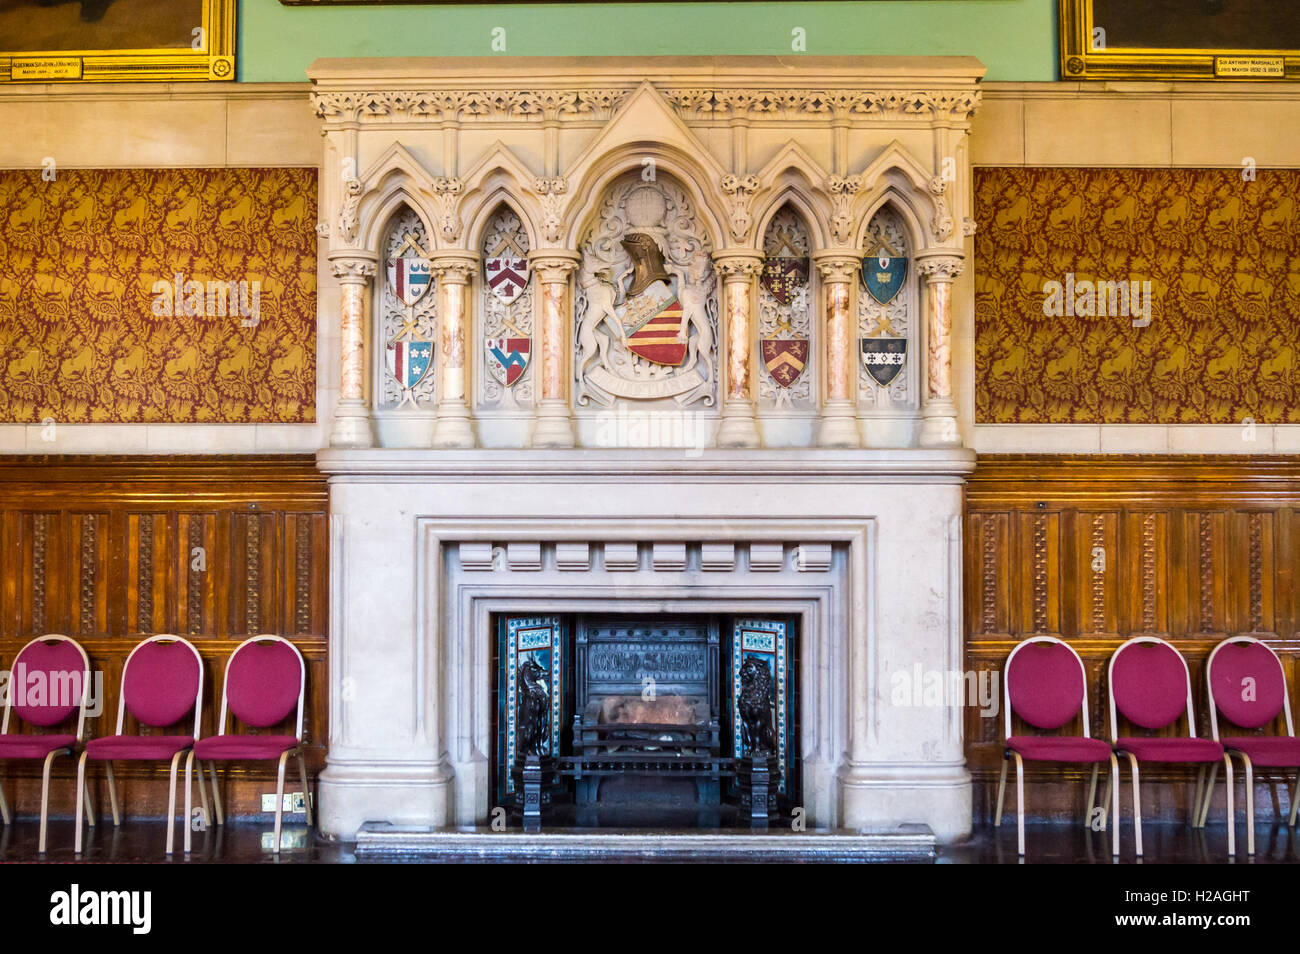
(863, 546)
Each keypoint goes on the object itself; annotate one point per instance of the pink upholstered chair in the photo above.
(1045, 685)
(1151, 687)
(162, 682)
(265, 681)
(64, 689)
(1231, 664)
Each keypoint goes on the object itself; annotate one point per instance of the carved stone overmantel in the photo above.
(835, 138)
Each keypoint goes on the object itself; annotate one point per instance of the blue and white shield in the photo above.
(883, 276)
(409, 278)
(409, 360)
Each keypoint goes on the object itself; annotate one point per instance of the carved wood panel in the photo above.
(109, 550)
(1096, 550)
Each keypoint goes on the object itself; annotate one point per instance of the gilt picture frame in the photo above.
(1179, 40)
(72, 41)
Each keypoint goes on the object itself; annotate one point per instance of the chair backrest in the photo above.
(162, 680)
(1150, 685)
(1045, 683)
(61, 686)
(265, 679)
(1247, 684)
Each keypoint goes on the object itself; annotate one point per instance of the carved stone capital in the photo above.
(739, 190)
(353, 267)
(835, 266)
(939, 266)
(553, 265)
(738, 265)
(455, 267)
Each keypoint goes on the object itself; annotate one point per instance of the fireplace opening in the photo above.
(646, 721)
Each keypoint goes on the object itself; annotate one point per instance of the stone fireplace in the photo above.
(647, 340)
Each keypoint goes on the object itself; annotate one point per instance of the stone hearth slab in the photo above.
(906, 843)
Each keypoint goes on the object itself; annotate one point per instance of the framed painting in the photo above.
(68, 41)
(1179, 39)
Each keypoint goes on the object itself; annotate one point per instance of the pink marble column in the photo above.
(554, 427)
(939, 268)
(354, 270)
(453, 271)
(839, 426)
(738, 427)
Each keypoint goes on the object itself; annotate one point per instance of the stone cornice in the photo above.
(758, 103)
(754, 88)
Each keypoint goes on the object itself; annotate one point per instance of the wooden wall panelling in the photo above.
(1195, 549)
(102, 549)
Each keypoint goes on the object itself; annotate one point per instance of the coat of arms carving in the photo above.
(647, 307)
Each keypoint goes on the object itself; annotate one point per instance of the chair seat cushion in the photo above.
(1276, 751)
(1181, 749)
(1059, 748)
(33, 746)
(129, 748)
(244, 746)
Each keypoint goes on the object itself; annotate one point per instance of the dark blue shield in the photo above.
(883, 276)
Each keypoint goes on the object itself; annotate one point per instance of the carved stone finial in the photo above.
(740, 193)
(446, 192)
(550, 190)
(941, 224)
(349, 218)
(842, 190)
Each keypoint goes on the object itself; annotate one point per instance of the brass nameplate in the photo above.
(46, 68)
(1249, 66)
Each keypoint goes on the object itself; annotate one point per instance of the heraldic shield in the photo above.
(883, 276)
(883, 358)
(785, 358)
(409, 360)
(650, 312)
(784, 276)
(508, 358)
(507, 276)
(409, 278)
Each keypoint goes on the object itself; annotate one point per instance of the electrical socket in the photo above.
(293, 802)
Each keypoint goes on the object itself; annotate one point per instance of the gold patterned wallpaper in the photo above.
(1221, 251)
(158, 295)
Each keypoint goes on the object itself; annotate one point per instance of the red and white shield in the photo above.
(508, 357)
(507, 276)
(409, 278)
